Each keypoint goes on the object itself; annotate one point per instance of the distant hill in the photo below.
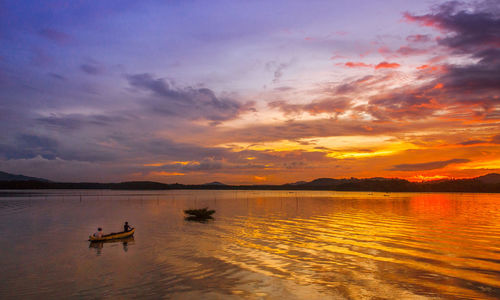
(297, 183)
(321, 182)
(489, 178)
(11, 177)
(216, 183)
(489, 183)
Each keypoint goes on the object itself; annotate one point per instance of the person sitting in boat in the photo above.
(98, 233)
(126, 227)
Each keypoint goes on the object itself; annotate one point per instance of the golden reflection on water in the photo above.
(262, 244)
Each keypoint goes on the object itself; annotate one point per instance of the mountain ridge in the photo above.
(4, 176)
(485, 183)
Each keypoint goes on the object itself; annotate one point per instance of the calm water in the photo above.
(261, 245)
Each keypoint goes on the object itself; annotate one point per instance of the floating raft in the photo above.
(202, 213)
(113, 236)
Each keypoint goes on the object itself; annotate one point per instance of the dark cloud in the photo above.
(407, 51)
(400, 105)
(210, 164)
(277, 69)
(428, 166)
(418, 38)
(56, 36)
(57, 76)
(189, 103)
(295, 165)
(77, 121)
(332, 105)
(472, 142)
(92, 68)
(481, 77)
(493, 140)
(472, 27)
(464, 91)
(157, 148)
(29, 146)
(474, 30)
(496, 139)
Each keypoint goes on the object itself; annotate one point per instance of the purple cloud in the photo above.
(92, 68)
(428, 166)
(55, 36)
(334, 106)
(188, 103)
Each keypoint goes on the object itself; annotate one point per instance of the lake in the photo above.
(260, 245)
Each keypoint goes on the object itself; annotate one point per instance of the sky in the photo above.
(249, 92)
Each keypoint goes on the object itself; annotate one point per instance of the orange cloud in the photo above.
(438, 86)
(351, 64)
(387, 65)
(163, 173)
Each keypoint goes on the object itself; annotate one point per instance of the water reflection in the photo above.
(262, 244)
(98, 246)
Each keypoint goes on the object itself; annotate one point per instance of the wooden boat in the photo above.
(113, 236)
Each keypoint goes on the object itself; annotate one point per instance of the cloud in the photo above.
(330, 105)
(78, 121)
(351, 64)
(209, 164)
(56, 36)
(493, 140)
(418, 38)
(472, 26)
(472, 142)
(205, 165)
(277, 69)
(454, 91)
(407, 50)
(387, 65)
(496, 139)
(294, 130)
(92, 68)
(428, 166)
(57, 76)
(189, 103)
(29, 146)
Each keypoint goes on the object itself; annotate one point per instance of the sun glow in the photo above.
(338, 147)
(418, 178)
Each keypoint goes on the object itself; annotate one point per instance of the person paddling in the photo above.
(98, 233)
(126, 227)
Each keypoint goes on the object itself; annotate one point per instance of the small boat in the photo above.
(202, 213)
(113, 236)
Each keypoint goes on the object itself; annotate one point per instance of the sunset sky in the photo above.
(247, 92)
